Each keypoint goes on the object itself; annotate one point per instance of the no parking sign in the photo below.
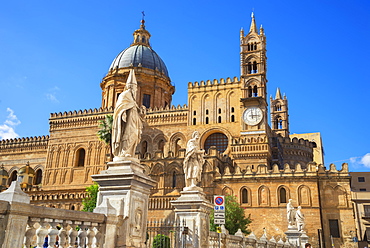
(219, 201)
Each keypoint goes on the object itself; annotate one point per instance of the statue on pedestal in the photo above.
(299, 218)
(193, 162)
(127, 121)
(290, 213)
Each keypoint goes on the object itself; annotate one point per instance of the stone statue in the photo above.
(193, 162)
(290, 213)
(299, 218)
(127, 121)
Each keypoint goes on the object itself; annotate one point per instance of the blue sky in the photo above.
(55, 53)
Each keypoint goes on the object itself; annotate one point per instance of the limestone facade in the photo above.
(263, 165)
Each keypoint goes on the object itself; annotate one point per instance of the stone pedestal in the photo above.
(295, 237)
(123, 197)
(193, 209)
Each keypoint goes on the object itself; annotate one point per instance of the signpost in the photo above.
(219, 213)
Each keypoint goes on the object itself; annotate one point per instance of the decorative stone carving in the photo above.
(127, 122)
(299, 218)
(290, 213)
(193, 163)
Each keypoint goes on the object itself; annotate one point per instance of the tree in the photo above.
(105, 132)
(234, 216)
(161, 241)
(89, 202)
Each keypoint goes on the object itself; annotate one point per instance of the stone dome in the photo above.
(139, 56)
(3, 172)
(26, 170)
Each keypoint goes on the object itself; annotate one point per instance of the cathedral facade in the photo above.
(249, 150)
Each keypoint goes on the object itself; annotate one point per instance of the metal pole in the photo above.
(219, 238)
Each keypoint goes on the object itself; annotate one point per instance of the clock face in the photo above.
(252, 116)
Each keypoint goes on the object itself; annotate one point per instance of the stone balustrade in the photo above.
(26, 225)
(240, 241)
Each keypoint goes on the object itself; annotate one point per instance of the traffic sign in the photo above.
(219, 221)
(219, 200)
(219, 215)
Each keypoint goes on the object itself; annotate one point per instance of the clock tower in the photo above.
(253, 147)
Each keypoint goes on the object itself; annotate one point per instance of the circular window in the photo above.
(219, 140)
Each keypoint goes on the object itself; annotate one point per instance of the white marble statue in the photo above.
(299, 218)
(127, 122)
(193, 162)
(290, 213)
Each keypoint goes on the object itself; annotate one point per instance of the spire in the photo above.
(253, 27)
(278, 94)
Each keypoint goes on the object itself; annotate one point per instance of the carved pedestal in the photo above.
(295, 237)
(193, 209)
(123, 197)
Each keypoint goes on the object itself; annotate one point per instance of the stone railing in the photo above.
(26, 225)
(240, 241)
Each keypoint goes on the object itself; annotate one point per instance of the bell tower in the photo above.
(253, 147)
(279, 114)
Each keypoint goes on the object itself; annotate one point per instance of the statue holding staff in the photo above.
(193, 162)
(127, 121)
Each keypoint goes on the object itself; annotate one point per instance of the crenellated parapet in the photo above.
(24, 144)
(78, 119)
(288, 170)
(169, 116)
(213, 83)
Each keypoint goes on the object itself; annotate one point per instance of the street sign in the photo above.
(219, 221)
(219, 200)
(219, 215)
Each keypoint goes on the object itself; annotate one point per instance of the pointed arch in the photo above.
(304, 196)
(283, 194)
(227, 191)
(245, 196)
(263, 196)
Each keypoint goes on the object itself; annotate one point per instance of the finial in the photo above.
(278, 94)
(253, 27)
(28, 163)
(142, 20)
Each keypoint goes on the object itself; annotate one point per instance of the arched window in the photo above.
(13, 177)
(232, 110)
(255, 46)
(219, 140)
(248, 47)
(38, 178)
(254, 67)
(249, 68)
(174, 179)
(206, 111)
(219, 119)
(80, 157)
(255, 91)
(161, 145)
(280, 124)
(219, 110)
(250, 92)
(144, 148)
(282, 195)
(195, 112)
(194, 121)
(207, 120)
(232, 118)
(244, 195)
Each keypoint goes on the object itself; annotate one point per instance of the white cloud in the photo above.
(365, 160)
(7, 130)
(51, 95)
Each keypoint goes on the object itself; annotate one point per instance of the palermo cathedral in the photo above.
(262, 164)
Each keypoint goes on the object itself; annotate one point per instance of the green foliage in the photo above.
(105, 132)
(234, 217)
(161, 241)
(89, 202)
